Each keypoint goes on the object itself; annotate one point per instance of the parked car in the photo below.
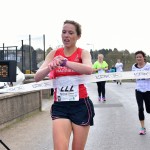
(20, 77)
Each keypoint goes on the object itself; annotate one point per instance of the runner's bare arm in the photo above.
(83, 68)
(44, 70)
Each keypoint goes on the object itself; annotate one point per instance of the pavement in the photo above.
(116, 124)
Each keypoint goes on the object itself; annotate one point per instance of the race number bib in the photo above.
(68, 93)
(101, 71)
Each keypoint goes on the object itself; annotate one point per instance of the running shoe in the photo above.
(142, 131)
(104, 99)
(99, 99)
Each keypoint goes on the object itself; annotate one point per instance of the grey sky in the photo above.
(121, 24)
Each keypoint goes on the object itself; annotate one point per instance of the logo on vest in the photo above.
(67, 89)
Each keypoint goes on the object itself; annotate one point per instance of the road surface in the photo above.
(116, 124)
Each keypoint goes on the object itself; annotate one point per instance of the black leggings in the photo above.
(142, 97)
(101, 88)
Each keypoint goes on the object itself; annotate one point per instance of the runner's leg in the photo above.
(80, 134)
(139, 98)
(147, 101)
(62, 129)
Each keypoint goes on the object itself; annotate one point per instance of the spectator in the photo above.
(113, 69)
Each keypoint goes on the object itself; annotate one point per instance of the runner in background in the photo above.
(100, 67)
(119, 68)
(72, 111)
(142, 90)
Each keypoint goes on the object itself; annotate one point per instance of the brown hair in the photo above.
(77, 26)
(142, 53)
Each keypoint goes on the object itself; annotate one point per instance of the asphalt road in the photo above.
(115, 127)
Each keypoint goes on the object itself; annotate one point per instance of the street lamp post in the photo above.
(91, 45)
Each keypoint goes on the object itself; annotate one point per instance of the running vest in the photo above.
(64, 71)
(142, 85)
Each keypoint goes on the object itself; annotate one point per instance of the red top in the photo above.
(64, 71)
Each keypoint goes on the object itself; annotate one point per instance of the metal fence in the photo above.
(28, 53)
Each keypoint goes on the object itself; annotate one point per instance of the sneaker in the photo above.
(99, 99)
(142, 131)
(103, 99)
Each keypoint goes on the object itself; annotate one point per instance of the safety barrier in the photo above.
(15, 106)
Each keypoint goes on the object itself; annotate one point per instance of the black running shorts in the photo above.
(79, 112)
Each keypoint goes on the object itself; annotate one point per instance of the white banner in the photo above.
(76, 80)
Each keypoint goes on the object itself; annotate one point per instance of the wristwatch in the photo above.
(64, 62)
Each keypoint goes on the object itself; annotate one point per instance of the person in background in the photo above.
(100, 67)
(113, 69)
(142, 90)
(72, 111)
(51, 76)
(119, 68)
